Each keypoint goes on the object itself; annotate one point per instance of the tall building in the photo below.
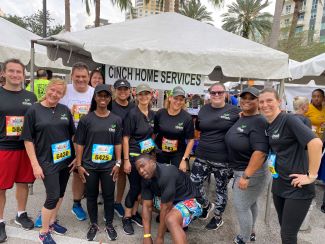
(311, 18)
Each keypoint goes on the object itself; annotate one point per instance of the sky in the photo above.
(79, 17)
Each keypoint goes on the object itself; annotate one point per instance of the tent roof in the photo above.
(15, 42)
(172, 42)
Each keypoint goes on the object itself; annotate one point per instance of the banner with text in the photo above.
(164, 80)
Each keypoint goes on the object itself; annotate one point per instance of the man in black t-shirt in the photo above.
(15, 166)
(173, 193)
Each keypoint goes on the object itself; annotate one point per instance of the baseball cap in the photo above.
(142, 87)
(178, 91)
(251, 90)
(103, 87)
(121, 83)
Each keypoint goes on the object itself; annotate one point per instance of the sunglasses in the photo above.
(219, 93)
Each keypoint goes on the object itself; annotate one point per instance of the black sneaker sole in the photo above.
(216, 228)
(17, 223)
(129, 234)
(92, 239)
(110, 237)
(137, 223)
(118, 214)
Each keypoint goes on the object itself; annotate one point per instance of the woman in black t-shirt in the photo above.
(173, 126)
(293, 168)
(98, 157)
(137, 139)
(47, 133)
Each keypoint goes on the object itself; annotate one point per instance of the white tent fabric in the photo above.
(173, 42)
(15, 42)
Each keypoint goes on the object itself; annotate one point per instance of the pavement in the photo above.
(265, 233)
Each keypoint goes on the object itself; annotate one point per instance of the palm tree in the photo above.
(196, 10)
(67, 22)
(245, 18)
(275, 32)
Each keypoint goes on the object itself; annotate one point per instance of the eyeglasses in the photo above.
(219, 93)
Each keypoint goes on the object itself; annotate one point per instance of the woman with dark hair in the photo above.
(96, 78)
(294, 159)
(98, 157)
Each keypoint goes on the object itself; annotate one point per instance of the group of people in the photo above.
(101, 138)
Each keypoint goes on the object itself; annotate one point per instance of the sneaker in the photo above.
(119, 210)
(238, 240)
(100, 200)
(38, 221)
(127, 226)
(137, 219)
(3, 235)
(78, 211)
(58, 229)
(214, 223)
(322, 208)
(111, 233)
(252, 237)
(24, 221)
(207, 211)
(46, 238)
(92, 232)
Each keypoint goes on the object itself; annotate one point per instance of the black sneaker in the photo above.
(137, 219)
(238, 240)
(214, 223)
(111, 233)
(24, 221)
(127, 226)
(207, 211)
(252, 237)
(92, 232)
(3, 235)
(322, 208)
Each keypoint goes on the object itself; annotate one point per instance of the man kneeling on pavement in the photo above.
(178, 199)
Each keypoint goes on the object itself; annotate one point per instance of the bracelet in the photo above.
(146, 235)
(118, 163)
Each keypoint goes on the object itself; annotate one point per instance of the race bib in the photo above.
(14, 125)
(271, 159)
(61, 151)
(102, 153)
(79, 111)
(147, 145)
(168, 145)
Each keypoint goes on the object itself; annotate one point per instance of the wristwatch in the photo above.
(186, 159)
(118, 163)
(246, 177)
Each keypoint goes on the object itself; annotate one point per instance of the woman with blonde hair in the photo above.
(300, 107)
(47, 134)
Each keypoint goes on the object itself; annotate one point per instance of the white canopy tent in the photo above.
(15, 42)
(171, 42)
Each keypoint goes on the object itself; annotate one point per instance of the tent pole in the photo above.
(281, 91)
(32, 61)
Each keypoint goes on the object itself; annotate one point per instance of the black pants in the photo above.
(55, 185)
(291, 214)
(174, 159)
(92, 191)
(135, 185)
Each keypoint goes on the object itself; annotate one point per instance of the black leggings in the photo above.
(175, 159)
(135, 185)
(291, 214)
(55, 185)
(92, 191)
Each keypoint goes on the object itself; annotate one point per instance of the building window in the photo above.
(313, 15)
(299, 29)
(301, 16)
(314, 4)
(286, 22)
(288, 9)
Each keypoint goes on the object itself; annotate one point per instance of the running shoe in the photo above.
(238, 240)
(252, 237)
(111, 233)
(38, 220)
(58, 229)
(127, 226)
(137, 219)
(46, 238)
(214, 223)
(207, 211)
(3, 235)
(78, 211)
(24, 221)
(119, 210)
(92, 232)
(322, 208)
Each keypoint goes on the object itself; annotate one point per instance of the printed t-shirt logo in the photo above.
(27, 102)
(14, 125)
(151, 123)
(64, 117)
(241, 128)
(275, 135)
(112, 128)
(179, 126)
(225, 116)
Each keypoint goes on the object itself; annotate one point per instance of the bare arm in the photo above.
(127, 164)
(146, 218)
(164, 210)
(37, 170)
(187, 153)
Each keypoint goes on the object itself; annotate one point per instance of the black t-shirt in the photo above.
(169, 183)
(13, 106)
(139, 129)
(172, 131)
(304, 119)
(51, 131)
(99, 135)
(288, 138)
(247, 135)
(120, 110)
(214, 124)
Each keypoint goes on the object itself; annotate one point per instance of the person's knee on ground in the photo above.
(174, 223)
